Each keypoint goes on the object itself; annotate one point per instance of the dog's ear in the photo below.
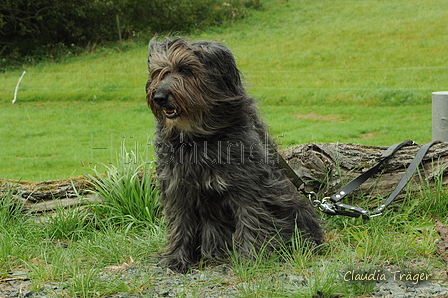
(220, 61)
(153, 46)
(168, 45)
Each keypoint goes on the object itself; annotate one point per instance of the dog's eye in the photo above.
(184, 71)
(155, 73)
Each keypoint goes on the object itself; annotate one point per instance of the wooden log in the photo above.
(54, 204)
(326, 168)
(41, 196)
(37, 191)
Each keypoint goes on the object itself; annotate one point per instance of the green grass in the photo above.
(55, 139)
(356, 71)
(129, 191)
(76, 247)
(323, 71)
(87, 250)
(351, 51)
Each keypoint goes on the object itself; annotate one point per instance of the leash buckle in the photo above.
(324, 205)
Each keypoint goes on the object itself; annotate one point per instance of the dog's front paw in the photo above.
(177, 264)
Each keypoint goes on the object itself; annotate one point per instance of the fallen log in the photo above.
(41, 196)
(325, 168)
(37, 191)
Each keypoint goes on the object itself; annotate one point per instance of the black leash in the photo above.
(289, 172)
(332, 206)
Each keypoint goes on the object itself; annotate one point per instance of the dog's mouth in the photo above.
(171, 113)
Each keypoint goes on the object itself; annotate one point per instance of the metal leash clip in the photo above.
(312, 197)
(324, 205)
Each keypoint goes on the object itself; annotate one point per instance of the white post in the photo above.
(17, 87)
(440, 116)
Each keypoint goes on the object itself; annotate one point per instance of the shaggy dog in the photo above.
(219, 187)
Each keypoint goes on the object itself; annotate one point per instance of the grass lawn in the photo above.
(60, 139)
(55, 139)
(111, 248)
(323, 71)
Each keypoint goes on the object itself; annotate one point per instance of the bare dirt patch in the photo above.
(330, 118)
(368, 135)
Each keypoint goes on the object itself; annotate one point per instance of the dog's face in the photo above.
(187, 80)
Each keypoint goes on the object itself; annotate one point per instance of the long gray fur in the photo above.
(219, 187)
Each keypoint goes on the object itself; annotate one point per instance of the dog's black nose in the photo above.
(161, 98)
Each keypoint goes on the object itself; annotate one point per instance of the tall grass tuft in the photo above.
(68, 224)
(300, 252)
(433, 198)
(11, 208)
(129, 192)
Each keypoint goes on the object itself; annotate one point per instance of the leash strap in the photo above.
(406, 177)
(292, 176)
(372, 171)
(331, 205)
